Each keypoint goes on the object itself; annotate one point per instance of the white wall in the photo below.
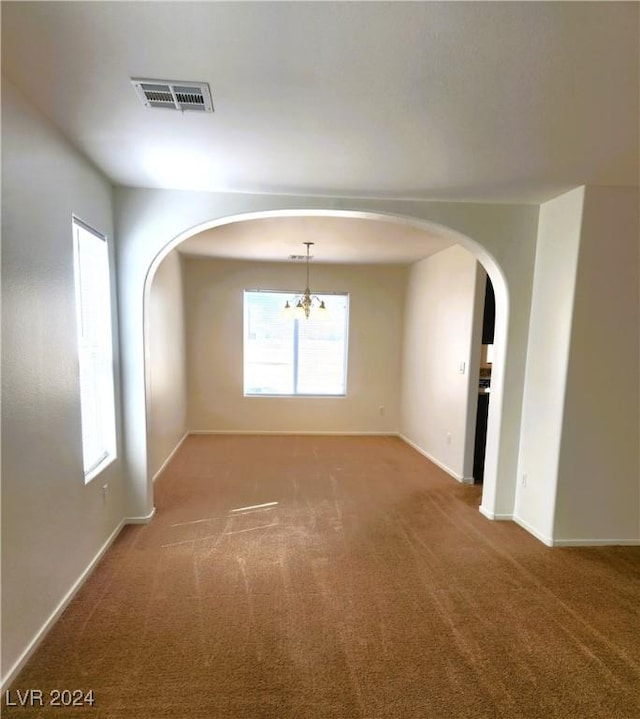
(166, 363)
(598, 497)
(214, 310)
(440, 313)
(546, 374)
(503, 236)
(52, 524)
(580, 424)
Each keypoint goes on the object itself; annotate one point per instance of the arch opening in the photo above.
(477, 250)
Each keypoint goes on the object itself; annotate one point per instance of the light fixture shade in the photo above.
(298, 311)
(321, 312)
(287, 311)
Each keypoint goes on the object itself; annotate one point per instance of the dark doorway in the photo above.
(484, 381)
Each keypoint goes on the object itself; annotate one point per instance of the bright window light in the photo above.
(294, 356)
(95, 349)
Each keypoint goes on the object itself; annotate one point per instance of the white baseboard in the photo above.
(532, 530)
(140, 520)
(62, 605)
(493, 515)
(559, 542)
(65, 601)
(319, 433)
(170, 457)
(596, 542)
(437, 462)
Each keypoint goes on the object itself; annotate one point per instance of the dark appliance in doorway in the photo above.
(484, 383)
(481, 437)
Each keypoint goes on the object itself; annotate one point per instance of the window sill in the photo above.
(99, 468)
(296, 396)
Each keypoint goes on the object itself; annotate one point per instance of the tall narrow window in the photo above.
(285, 356)
(95, 348)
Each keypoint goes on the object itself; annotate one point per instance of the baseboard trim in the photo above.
(431, 458)
(62, 605)
(596, 542)
(65, 601)
(549, 542)
(140, 520)
(493, 516)
(169, 458)
(319, 433)
(532, 530)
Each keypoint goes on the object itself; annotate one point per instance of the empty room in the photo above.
(320, 360)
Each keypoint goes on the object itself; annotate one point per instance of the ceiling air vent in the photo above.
(174, 95)
(299, 258)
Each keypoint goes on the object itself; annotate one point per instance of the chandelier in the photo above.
(304, 303)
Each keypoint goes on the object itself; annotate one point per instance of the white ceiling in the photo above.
(473, 101)
(337, 239)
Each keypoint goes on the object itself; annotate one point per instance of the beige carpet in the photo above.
(367, 586)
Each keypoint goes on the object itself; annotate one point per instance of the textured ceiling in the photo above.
(488, 102)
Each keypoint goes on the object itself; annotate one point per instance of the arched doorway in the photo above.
(429, 228)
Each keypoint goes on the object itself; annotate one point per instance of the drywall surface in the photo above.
(546, 374)
(52, 524)
(150, 222)
(437, 343)
(166, 365)
(214, 311)
(598, 498)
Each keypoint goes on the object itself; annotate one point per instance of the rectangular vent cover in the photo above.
(299, 258)
(174, 95)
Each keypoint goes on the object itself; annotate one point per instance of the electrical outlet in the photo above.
(381, 410)
(523, 479)
(448, 437)
(462, 366)
(105, 487)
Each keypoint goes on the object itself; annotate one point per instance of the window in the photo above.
(285, 356)
(95, 348)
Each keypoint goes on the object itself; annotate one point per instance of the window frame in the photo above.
(105, 359)
(289, 294)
